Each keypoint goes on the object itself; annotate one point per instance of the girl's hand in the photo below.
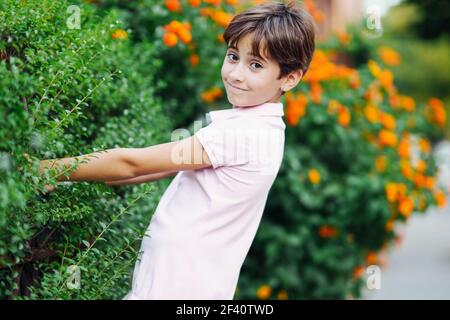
(49, 187)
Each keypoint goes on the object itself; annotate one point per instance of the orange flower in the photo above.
(391, 192)
(389, 56)
(429, 182)
(407, 103)
(206, 12)
(327, 232)
(170, 39)
(394, 101)
(440, 198)
(264, 292)
(371, 112)
(312, 9)
(222, 18)
(389, 225)
(179, 30)
(403, 149)
(174, 26)
(355, 80)
(185, 35)
(120, 34)
(373, 94)
(395, 191)
(314, 176)
(211, 95)
(358, 271)
(194, 59)
(316, 92)
(293, 116)
(322, 68)
(380, 163)
(435, 103)
(344, 38)
(424, 145)
(387, 138)
(386, 78)
(374, 68)
(371, 258)
(419, 180)
(421, 166)
(296, 107)
(173, 5)
(282, 295)
(438, 114)
(406, 206)
(406, 169)
(333, 106)
(195, 3)
(387, 120)
(344, 117)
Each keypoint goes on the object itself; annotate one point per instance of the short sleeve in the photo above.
(225, 142)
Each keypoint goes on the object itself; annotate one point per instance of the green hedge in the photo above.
(66, 92)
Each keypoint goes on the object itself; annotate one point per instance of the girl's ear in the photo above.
(292, 80)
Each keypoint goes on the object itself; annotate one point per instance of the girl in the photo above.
(207, 219)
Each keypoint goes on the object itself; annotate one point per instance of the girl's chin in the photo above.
(238, 102)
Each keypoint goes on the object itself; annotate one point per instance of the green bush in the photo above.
(66, 92)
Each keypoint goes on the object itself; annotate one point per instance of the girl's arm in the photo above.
(111, 164)
(142, 179)
(185, 154)
(128, 163)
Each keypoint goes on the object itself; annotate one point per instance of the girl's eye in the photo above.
(260, 66)
(232, 54)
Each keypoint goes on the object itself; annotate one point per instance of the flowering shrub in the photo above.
(349, 175)
(357, 162)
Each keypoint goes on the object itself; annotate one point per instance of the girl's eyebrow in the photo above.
(250, 54)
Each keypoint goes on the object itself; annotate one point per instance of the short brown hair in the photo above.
(287, 32)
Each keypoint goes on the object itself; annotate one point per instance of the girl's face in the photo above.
(248, 80)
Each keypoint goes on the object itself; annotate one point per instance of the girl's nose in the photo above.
(237, 73)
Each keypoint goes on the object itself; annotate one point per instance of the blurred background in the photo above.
(417, 30)
(418, 266)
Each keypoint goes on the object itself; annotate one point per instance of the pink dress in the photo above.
(206, 220)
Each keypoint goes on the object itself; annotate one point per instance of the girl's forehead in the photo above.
(246, 43)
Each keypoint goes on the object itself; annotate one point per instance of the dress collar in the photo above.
(265, 109)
